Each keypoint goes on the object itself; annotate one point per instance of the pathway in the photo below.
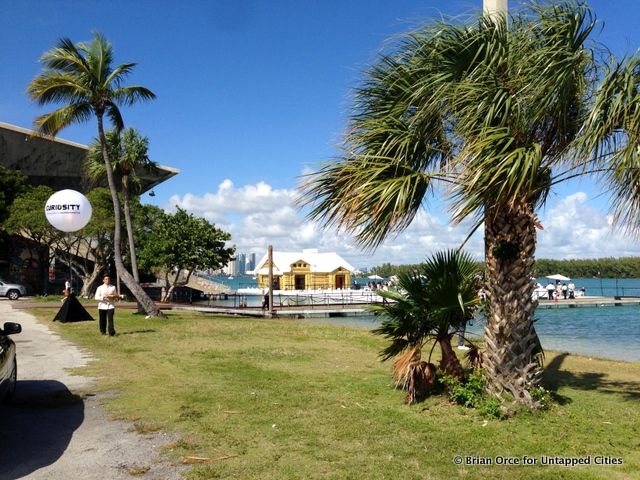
(49, 433)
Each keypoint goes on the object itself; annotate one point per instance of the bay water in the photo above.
(601, 331)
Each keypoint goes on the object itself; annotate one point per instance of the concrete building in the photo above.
(59, 164)
(56, 162)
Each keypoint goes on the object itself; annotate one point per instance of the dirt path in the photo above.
(49, 433)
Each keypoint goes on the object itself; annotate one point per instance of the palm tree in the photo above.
(498, 112)
(83, 77)
(431, 304)
(128, 151)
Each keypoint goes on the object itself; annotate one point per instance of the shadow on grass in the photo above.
(554, 378)
(132, 332)
(37, 426)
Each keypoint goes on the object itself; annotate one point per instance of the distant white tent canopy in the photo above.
(557, 276)
(374, 277)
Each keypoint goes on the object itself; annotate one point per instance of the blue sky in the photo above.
(252, 94)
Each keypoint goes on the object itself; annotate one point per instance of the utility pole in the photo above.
(495, 9)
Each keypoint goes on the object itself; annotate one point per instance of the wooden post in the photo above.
(270, 260)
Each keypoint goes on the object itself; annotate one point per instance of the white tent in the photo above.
(557, 276)
(374, 277)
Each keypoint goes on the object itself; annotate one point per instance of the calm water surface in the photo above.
(609, 332)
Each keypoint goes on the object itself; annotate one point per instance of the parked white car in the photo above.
(12, 291)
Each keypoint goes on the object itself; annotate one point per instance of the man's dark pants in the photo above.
(106, 316)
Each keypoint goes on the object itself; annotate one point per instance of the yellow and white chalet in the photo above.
(306, 270)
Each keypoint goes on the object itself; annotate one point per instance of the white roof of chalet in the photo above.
(319, 262)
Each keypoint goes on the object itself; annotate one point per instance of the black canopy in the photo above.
(72, 311)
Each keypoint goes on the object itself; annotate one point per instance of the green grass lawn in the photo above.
(287, 399)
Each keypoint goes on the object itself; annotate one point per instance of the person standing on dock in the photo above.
(550, 289)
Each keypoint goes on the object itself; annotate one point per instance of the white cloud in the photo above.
(259, 215)
(575, 229)
(250, 199)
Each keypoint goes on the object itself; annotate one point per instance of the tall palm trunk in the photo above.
(127, 221)
(132, 245)
(512, 361)
(141, 296)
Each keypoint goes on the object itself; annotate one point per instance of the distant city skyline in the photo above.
(241, 264)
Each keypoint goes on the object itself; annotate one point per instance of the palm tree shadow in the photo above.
(555, 377)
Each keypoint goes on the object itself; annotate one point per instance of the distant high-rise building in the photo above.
(231, 268)
(241, 261)
(251, 262)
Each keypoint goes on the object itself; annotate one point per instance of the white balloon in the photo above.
(68, 210)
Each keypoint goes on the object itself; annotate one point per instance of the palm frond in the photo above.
(375, 200)
(99, 58)
(54, 87)
(128, 153)
(495, 107)
(132, 94)
(51, 123)
(441, 296)
(65, 57)
(113, 113)
(83, 73)
(118, 74)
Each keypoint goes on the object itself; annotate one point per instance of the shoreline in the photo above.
(591, 327)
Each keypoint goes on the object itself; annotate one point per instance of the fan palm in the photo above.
(499, 113)
(128, 151)
(432, 303)
(84, 78)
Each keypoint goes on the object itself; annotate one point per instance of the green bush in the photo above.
(542, 396)
(492, 408)
(469, 393)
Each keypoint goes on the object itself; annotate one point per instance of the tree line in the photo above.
(607, 267)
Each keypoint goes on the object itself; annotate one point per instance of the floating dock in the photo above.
(591, 302)
(353, 310)
(301, 311)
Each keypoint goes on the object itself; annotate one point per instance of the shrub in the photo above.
(492, 408)
(469, 393)
(542, 396)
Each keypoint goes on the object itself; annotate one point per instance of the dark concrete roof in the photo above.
(56, 162)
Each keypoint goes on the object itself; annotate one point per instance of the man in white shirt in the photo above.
(106, 294)
(551, 288)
